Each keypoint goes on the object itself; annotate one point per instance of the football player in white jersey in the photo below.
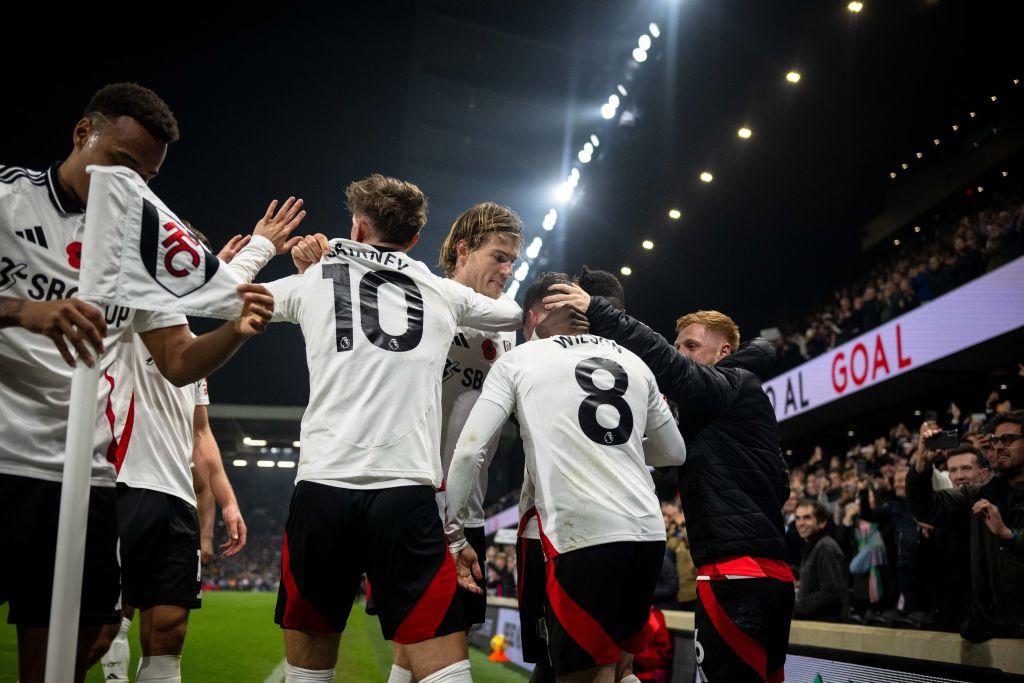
(584, 405)
(42, 218)
(378, 325)
(530, 577)
(163, 431)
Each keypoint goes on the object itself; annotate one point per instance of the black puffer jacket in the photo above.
(734, 481)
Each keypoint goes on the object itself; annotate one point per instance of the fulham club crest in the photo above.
(171, 254)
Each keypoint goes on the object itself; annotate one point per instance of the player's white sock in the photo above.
(296, 674)
(115, 660)
(163, 668)
(629, 679)
(455, 673)
(400, 675)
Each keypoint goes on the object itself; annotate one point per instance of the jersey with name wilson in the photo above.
(583, 405)
(41, 230)
(469, 359)
(378, 326)
(156, 435)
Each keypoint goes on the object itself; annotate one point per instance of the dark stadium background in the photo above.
(490, 101)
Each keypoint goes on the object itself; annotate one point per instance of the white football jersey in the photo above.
(469, 359)
(378, 326)
(41, 230)
(584, 404)
(156, 432)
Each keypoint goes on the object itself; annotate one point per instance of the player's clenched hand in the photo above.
(308, 251)
(572, 295)
(277, 227)
(231, 249)
(236, 531)
(257, 309)
(66, 320)
(468, 568)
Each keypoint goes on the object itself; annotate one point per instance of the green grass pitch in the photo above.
(234, 638)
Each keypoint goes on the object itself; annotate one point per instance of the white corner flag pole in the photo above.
(74, 512)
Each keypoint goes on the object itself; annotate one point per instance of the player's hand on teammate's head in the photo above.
(563, 319)
(237, 532)
(308, 251)
(257, 309)
(468, 568)
(573, 295)
(231, 249)
(277, 227)
(66, 320)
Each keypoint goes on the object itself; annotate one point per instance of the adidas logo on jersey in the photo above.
(34, 235)
(460, 340)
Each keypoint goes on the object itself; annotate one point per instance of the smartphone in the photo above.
(945, 440)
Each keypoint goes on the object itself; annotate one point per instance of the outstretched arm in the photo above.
(206, 455)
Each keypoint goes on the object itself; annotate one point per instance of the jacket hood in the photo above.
(757, 356)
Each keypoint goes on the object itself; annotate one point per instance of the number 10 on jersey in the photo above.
(369, 308)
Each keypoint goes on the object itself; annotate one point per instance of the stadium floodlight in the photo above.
(744, 132)
(656, 33)
(596, 140)
(706, 177)
(904, 166)
(513, 289)
(564, 192)
(793, 77)
(286, 464)
(675, 214)
(584, 156)
(549, 220)
(850, 433)
(256, 443)
(936, 141)
(993, 98)
(955, 128)
(574, 174)
(896, 243)
(626, 270)
(980, 188)
(534, 249)
(892, 174)
(622, 89)
(644, 43)
(1006, 173)
(855, 7)
(917, 413)
(522, 271)
(265, 463)
(640, 55)
(613, 100)
(917, 228)
(607, 111)
(240, 463)
(647, 244)
(1016, 81)
(588, 147)
(919, 155)
(973, 114)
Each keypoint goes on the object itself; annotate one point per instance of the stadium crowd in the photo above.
(962, 244)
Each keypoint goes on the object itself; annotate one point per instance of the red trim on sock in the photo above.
(748, 649)
(423, 620)
(299, 613)
(582, 627)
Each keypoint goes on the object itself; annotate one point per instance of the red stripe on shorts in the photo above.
(423, 620)
(126, 435)
(758, 567)
(582, 627)
(636, 644)
(748, 649)
(299, 614)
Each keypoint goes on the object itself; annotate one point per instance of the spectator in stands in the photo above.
(966, 467)
(995, 514)
(969, 261)
(678, 544)
(794, 542)
(500, 579)
(823, 592)
(871, 313)
(654, 663)
(889, 510)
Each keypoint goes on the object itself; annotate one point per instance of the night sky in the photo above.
(484, 101)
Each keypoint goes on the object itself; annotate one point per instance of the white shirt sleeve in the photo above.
(481, 312)
(489, 414)
(658, 412)
(286, 298)
(252, 258)
(664, 446)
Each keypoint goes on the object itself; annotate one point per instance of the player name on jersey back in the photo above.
(584, 404)
(377, 325)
